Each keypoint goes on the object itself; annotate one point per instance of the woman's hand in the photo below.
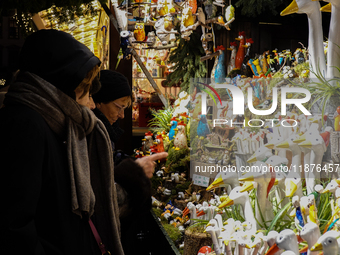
(148, 162)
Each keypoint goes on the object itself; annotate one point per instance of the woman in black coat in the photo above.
(56, 158)
(132, 176)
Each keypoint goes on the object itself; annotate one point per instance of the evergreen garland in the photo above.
(187, 60)
(253, 8)
(70, 13)
(35, 6)
(63, 10)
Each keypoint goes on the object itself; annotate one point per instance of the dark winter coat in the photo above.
(35, 188)
(36, 214)
(133, 187)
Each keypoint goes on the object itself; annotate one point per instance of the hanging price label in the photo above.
(200, 180)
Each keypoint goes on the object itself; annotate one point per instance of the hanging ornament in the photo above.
(229, 14)
(151, 39)
(193, 5)
(241, 49)
(168, 25)
(139, 32)
(231, 64)
(220, 74)
(188, 18)
(245, 68)
(162, 34)
(104, 47)
(124, 43)
(207, 43)
(201, 19)
(213, 70)
(337, 119)
(271, 59)
(188, 23)
(210, 9)
(264, 63)
(163, 8)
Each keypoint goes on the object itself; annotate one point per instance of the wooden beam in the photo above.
(39, 23)
(217, 53)
(169, 46)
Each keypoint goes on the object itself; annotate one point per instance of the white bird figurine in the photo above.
(277, 161)
(242, 198)
(332, 186)
(328, 242)
(261, 154)
(315, 39)
(212, 231)
(236, 237)
(227, 231)
(287, 240)
(311, 233)
(293, 184)
(224, 179)
(306, 150)
(180, 141)
(232, 48)
(319, 188)
(302, 120)
(296, 152)
(201, 18)
(190, 208)
(217, 223)
(257, 243)
(276, 140)
(318, 145)
(333, 60)
(271, 241)
(204, 211)
(265, 180)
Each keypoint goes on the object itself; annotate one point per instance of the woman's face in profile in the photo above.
(114, 110)
(85, 100)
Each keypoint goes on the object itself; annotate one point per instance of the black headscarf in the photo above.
(114, 85)
(58, 58)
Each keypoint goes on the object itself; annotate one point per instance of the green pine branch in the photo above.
(64, 11)
(187, 62)
(261, 6)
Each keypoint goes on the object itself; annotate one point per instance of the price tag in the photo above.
(200, 180)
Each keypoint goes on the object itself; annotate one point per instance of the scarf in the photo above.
(88, 150)
(115, 132)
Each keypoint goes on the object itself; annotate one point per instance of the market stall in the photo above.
(252, 141)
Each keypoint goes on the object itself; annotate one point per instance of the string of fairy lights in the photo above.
(86, 23)
(84, 28)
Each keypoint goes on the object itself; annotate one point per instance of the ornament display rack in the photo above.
(145, 95)
(242, 212)
(140, 62)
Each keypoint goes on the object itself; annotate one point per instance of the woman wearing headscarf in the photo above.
(131, 176)
(56, 159)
